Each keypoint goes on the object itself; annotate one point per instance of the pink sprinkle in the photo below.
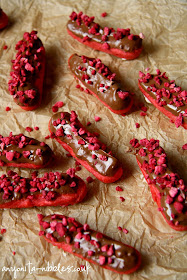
(29, 129)
(78, 168)
(143, 114)
(106, 46)
(42, 144)
(7, 109)
(120, 228)
(69, 155)
(29, 67)
(78, 86)
(104, 14)
(125, 230)
(147, 69)
(97, 119)
(3, 230)
(14, 253)
(142, 36)
(144, 109)
(102, 260)
(184, 147)
(90, 253)
(47, 137)
(10, 155)
(5, 47)
(54, 109)
(119, 189)
(86, 227)
(71, 172)
(89, 179)
(137, 125)
(59, 104)
(36, 128)
(122, 198)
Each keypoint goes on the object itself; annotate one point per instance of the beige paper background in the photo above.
(164, 24)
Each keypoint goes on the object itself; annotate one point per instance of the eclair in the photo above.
(119, 43)
(68, 234)
(28, 69)
(52, 189)
(165, 95)
(167, 188)
(101, 82)
(22, 151)
(84, 146)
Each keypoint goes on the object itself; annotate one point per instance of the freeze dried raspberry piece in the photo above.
(104, 14)
(167, 188)
(7, 109)
(85, 147)
(28, 69)
(21, 151)
(184, 147)
(71, 236)
(101, 82)
(118, 42)
(52, 189)
(165, 95)
(3, 19)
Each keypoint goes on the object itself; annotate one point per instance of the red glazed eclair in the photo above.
(167, 188)
(22, 151)
(3, 19)
(28, 69)
(85, 147)
(100, 81)
(71, 236)
(165, 95)
(53, 189)
(119, 43)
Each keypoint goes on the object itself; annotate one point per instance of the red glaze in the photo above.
(108, 45)
(28, 72)
(3, 19)
(167, 189)
(75, 243)
(175, 114)
(110, 97)
(49, 190)
(107, 171)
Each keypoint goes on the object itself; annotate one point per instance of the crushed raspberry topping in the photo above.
(184, 147)
(85, 241)
(3, 230)
(106, 32)
(97, 118)
(25, 67)
(7, 109)
(167, 93)
(89, 179)
(172, 190)
(104, 14)
(119, 189)
(15, 187)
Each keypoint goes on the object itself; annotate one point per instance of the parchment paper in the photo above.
(164, 24)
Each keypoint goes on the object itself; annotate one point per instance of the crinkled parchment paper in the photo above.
(164, 24)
